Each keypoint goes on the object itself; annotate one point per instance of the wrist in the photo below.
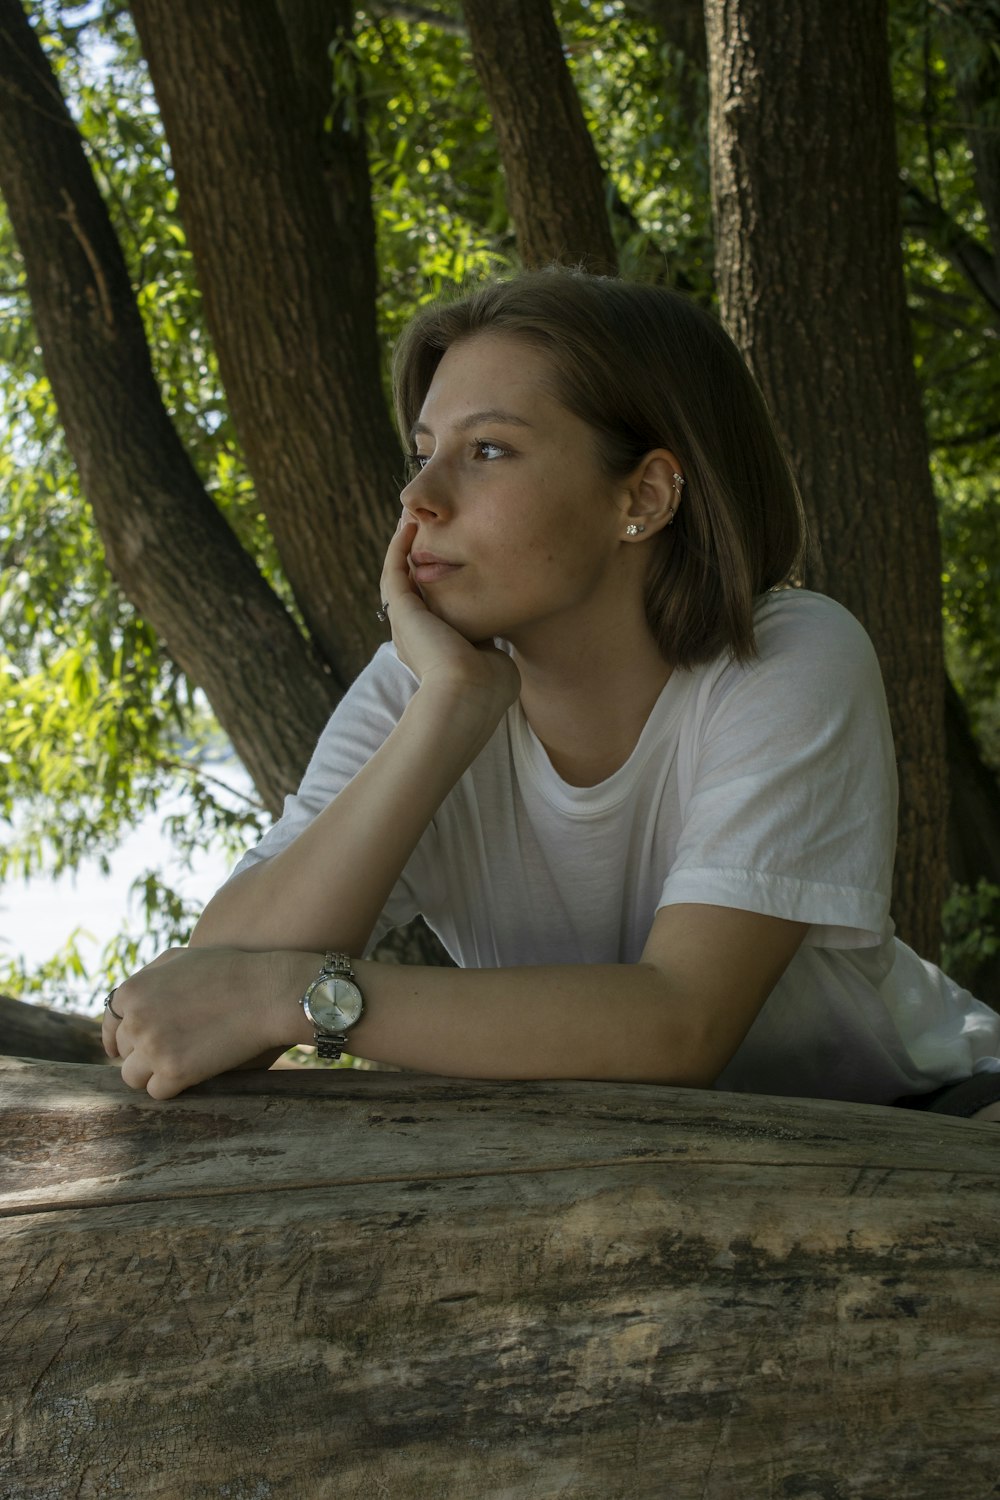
(470, 708)
(291, 973)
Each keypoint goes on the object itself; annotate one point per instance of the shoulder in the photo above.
(797, 622)
(806, 643)
(815, 674)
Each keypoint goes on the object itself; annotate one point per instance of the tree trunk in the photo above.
(379, 1284)
(280, 274)
(555, 186)
(167, 545)
(312, 28)
(806, 200)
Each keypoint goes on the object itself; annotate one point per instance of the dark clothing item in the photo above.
(962, 1098)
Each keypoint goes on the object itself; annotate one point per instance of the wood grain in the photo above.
(346, 1285)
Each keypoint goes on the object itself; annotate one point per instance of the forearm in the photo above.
(677, 1016)
(327, 889)
(582, 1021)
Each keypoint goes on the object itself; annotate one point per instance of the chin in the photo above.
(474, 627)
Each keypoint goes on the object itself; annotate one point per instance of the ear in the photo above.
(653, 492)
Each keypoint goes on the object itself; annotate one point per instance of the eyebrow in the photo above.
(474, 419)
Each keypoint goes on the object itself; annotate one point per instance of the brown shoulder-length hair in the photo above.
(646, 368)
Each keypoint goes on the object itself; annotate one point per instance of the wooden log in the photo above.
(307, 1284)
(58, 1035)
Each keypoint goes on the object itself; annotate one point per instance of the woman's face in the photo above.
(520, 528)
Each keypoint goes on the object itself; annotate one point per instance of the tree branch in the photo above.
(555, 185)
(964, 252)
(968, 439)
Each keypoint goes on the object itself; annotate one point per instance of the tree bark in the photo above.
(555, 185)
(280, 275)
(375, 1284)
(335, 125)
(806, 201)
(166, 544)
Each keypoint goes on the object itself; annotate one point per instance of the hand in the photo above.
(434, 650)
(196, 1012)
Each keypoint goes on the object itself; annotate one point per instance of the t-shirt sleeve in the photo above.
(361, 722)
(788, 781)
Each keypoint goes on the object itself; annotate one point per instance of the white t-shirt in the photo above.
(771, 788)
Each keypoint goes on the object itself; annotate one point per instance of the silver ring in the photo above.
(108, 1006)
(382, 614)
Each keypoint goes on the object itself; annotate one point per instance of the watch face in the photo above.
(335, 1004)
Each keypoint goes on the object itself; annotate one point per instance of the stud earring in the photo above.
(679, 482)
(633, 530)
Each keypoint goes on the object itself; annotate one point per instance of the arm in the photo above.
(328, 888)
(675, 1017)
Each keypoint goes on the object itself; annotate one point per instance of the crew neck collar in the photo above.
(532, 758)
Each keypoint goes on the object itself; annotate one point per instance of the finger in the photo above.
(402, 539)
(110, 1024)
(124, 1043)
(165, 1086)
(396, 582)
(109, 1032)
(135, 1072)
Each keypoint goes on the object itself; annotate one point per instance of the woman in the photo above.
(644, 793)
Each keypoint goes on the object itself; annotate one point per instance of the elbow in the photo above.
(685, 1072)
(225, 923)
(208, 932)
(689, 1049)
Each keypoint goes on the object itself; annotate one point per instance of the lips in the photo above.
(427, 567)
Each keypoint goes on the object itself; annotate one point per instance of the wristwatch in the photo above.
(333, 1003)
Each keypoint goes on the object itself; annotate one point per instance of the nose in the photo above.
(424, 497)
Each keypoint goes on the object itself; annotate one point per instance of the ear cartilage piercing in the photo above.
(633, 530)
(679, 481)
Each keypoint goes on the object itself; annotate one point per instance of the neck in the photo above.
(588, 700)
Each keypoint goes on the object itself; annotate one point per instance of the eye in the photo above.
(415, 462)
(488, 451)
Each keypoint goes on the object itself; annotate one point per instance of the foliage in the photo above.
(439, 216)
(971, 921)
(96, 724)
(956, 336)
(647, 109)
